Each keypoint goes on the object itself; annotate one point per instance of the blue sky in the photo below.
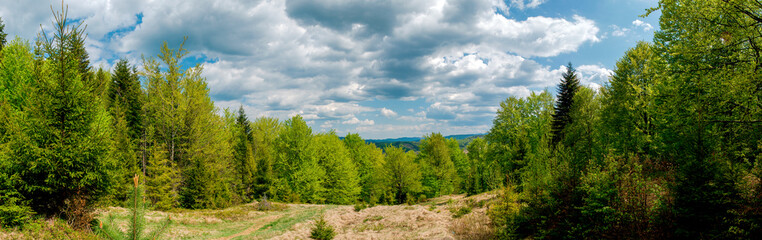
(384, 69)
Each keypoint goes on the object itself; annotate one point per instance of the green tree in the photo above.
(2, 34)
(402, 174)
(519, 133)
(244, 161)
(298, 175)
(65, 165)
(16, 73)
(160, 179)
(265, 134)
(368, 160)
(628, 100)
(566, 90)
(341, 182)
(582, 135)
(439, 176)
(126, 96)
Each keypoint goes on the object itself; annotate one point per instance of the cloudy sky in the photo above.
(386, 68)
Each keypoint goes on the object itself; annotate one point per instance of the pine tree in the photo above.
(124, 92)
(160, 179)
(3, 35)
(243, 155)
(66, 166)
(566, 90)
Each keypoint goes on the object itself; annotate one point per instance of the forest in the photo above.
(671, 147)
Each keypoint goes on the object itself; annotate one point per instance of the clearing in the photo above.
(446, 217)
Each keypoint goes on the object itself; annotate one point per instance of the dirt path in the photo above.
(256, 225)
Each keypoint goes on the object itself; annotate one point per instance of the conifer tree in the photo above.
(66, 166)
(566, 90)
(244, 164)
(160, 179)
(125, 93)
(3, 35)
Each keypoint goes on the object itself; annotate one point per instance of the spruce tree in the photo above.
(66, 166)
(3, 35)
(566, 89)
(160, 179)
(265, 133)
(124, 92)
(243, 155)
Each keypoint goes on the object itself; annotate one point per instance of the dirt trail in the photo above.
(256, 225)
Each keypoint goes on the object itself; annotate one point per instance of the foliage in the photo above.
(402, 174)
(322, 230)
(340, 182)
(566, 90)
(136, 224)
(439, 176)
(299, 177)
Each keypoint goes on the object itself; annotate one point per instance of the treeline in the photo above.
(72, 138)
(670, 148)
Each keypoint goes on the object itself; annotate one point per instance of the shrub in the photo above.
(137, 219)
(459, 212)
(474, 226)
(321, 230)
(360, 206)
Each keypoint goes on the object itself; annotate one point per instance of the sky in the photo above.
(383, 69)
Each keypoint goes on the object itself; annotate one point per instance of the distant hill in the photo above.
(413, 143)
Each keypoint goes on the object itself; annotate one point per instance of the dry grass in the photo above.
(429, 220)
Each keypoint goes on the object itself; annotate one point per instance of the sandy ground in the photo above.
(431, 220)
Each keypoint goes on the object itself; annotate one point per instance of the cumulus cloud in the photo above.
(388, 113)
(644, 25)
(321, 59)
(355, 121)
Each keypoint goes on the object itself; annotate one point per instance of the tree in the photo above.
(627, 107)
(519, 133)
(368, 160)
(244, 161)
(439, 176)
(341, 182)
(126, 96)
(2, 34)
(64, 167)
(265, 133)
(566, 90)
(299, 177)
(402, 174)
(160, 179)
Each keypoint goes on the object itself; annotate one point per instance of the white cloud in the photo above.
(456, 59)
(355, 121)
(522, 4)
(644, 25)
(388, 113)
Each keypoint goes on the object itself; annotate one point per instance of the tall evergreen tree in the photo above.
(125, 95)
(244, 161)
(566, 89)
(3, 35)
(65, 166)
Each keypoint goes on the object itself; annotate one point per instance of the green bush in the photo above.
(321, 230)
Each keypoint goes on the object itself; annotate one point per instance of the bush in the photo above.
(360, 206)
(504, 213)
(459, 212)
(321, 230)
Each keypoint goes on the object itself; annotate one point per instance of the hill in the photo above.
(413, 143)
